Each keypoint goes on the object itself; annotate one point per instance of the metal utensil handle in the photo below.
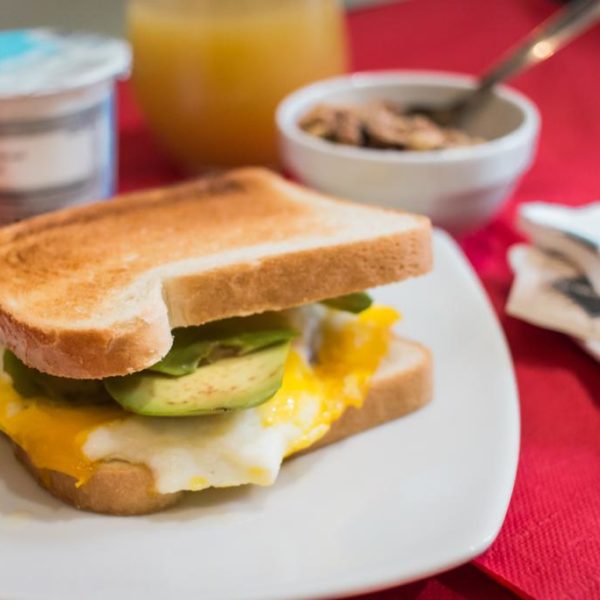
(551, 35)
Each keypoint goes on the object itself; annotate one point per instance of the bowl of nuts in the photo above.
(356, 137)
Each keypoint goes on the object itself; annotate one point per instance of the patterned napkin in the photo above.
(557, 278)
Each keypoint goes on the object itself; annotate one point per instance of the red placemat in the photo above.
(549, 546)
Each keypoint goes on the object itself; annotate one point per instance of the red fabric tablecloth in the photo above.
(549, 546)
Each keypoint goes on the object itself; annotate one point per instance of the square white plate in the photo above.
(411, 498)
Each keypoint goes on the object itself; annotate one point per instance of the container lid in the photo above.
(39, 62)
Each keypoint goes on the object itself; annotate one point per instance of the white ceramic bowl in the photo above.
(459, 188)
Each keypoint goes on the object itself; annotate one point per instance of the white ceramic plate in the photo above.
(406, 500)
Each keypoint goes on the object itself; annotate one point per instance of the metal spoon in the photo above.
(544, 41)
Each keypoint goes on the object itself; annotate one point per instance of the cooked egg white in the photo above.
(240, 447)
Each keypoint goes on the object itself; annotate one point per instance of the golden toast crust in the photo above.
(95, 291)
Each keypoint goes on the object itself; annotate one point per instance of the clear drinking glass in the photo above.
(208, 74)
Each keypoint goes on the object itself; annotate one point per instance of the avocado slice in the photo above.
(191, 347)
(23, 377)
(229, 383)
(353, 303)
(30, 382)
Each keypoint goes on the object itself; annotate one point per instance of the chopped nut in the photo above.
(382, 124)
(319, 121)
(383, 127)
(348, 128)
(426, 139)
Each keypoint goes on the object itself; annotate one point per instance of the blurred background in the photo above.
(106, 15)
(208, 75)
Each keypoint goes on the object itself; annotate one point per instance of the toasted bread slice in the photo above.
(402, 384)
(95, 291)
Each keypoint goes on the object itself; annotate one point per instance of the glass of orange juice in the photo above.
(208, 74)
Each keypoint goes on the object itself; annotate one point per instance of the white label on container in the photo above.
(46, 159)
(69, 156)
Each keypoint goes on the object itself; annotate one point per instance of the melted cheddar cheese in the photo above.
(193, 453)
(349, 355)
(51, 433)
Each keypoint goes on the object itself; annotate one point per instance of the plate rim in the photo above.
(360, 581)
(379, 583)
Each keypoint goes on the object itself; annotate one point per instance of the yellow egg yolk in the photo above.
(348, 357)
(54, 433)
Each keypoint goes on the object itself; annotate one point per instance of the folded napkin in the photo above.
(571, 232)
(557, 279)
(549, 546)
(593, 348)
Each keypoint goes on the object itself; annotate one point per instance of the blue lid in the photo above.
(46, 61)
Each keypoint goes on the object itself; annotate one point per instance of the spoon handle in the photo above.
(544, 41)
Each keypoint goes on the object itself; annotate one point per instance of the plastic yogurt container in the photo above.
(57, 120)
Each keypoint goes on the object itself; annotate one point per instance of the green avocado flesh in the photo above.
(29, 382)
(236, 363)
(229, 383)
(353, 303)
(190, 348)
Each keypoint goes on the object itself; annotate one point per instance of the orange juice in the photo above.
(209, 73)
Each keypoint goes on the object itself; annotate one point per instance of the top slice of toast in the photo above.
(95, 291)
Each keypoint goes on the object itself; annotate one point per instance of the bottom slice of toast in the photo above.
(402, 384)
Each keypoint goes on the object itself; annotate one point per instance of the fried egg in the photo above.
(230, 449)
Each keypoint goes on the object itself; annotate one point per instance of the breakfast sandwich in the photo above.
(174, 340)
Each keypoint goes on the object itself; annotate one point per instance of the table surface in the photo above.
(545, 548)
